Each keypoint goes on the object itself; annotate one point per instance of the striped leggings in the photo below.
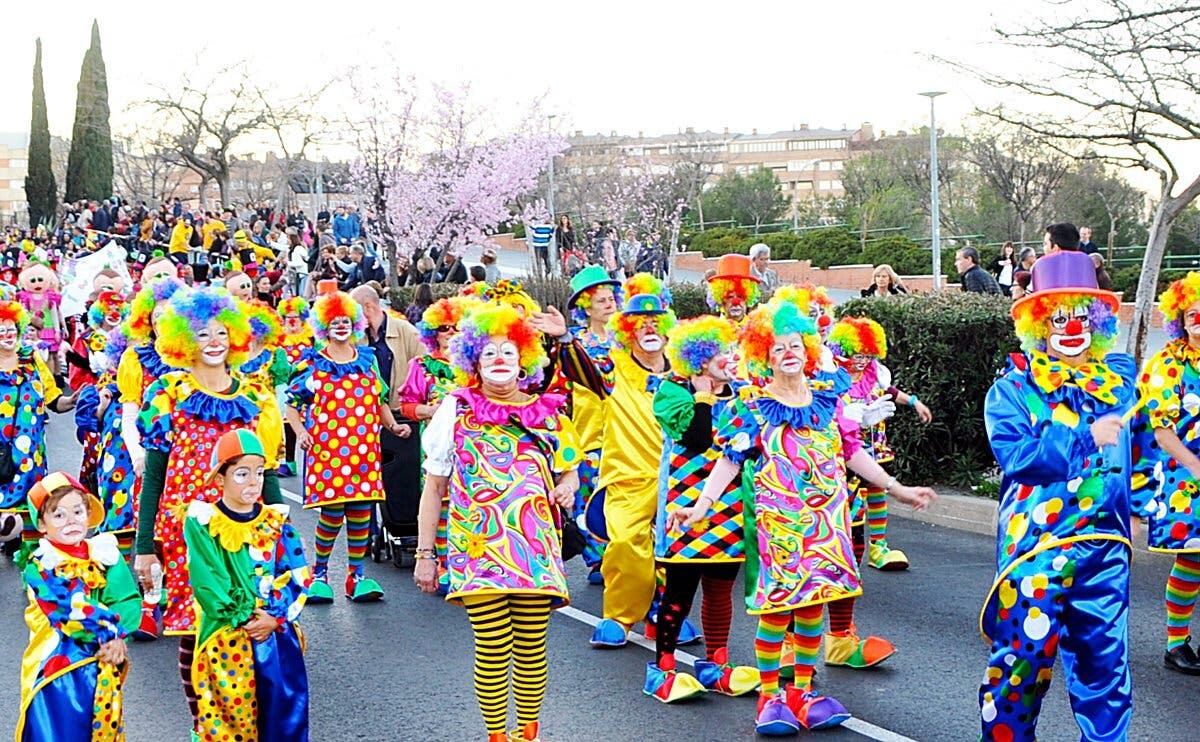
(509, 630)
(357, 517)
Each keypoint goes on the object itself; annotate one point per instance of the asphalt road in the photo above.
(400, 669)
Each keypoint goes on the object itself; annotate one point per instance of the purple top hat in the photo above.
(1066, 272)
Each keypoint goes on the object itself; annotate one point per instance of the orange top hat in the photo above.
(734, 266)
(327, 286)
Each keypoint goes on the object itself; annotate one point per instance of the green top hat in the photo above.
(588, 278)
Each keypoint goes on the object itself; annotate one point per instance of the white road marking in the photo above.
(292, 496)
(854, 724)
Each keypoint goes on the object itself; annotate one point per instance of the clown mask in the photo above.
(500, 361)
(293, 324)
(214, 343)
(37, 279)
(1070, 332)
(340, 329)
(647, 337)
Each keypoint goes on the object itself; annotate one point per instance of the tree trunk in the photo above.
(1156, 247)
(1112, 236)
(223, 185)
(1021, 239)
(201, 194)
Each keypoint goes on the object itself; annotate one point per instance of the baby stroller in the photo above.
(394, 521)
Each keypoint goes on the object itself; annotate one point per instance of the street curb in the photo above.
(963, 512)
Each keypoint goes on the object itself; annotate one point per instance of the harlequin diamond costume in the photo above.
(710, 553)
(733, 291)
(1167, 438)
(1062, 556)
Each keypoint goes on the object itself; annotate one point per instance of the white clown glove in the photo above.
(854, 411)
(878, 411)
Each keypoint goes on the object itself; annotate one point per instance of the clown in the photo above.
(686, 403)
(39, 286)
(103, 317)
(297, 333)
(795, 446)
(203, 334)
(733, 291)
(1062, 556)
(268, 368)
(336, 405)
(1165, 476)
(506, 459)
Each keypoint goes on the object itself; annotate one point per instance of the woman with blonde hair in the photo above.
(887, 282)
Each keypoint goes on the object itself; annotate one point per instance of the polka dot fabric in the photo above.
(343, 464)
(223, 675)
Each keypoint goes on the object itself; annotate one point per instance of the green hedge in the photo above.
(946, 348)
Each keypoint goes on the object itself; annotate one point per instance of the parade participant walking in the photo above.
(83, 602)
(1062, 551)
(267, 368)
(734, 290)
(297, 333)
(796, 446)
(1165, 477)
(686, 404)
(247, 568)
(336, 406)
(506, 460)
(202, 334)
(105, 314)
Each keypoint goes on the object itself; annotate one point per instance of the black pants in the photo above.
(543, 254)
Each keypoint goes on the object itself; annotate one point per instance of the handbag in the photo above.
(571, 538)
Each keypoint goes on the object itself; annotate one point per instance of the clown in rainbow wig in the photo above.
(336, 406)
(795, 446)
(297, 333)
(267, 369)
(700, 387)
(504, 457)
(859, 345)
(91, 348)
(734, 290)
(204, 336)
(1055, 424)
(1167, 436)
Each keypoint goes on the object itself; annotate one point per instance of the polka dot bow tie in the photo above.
(1095, 379)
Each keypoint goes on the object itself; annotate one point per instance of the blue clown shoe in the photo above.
(669, 686)
(774, 718)
(609, 635)
(595, 577)
(724, 678)
(319, 592)
(814, 710)
(362, 589)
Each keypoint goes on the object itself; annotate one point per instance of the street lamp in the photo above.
(934, 207)
(550, 178)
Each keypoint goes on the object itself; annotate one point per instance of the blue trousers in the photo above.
(1071, 600)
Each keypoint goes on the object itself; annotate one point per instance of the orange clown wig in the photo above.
(334, 305)
(486, 321)
(13, 311)
(1175, 301)
(188, 313)
(446, 312)
(624, 325)
(724, 289)
(853, 336)
(773, 320)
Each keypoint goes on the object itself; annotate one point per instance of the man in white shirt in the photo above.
(760, 257)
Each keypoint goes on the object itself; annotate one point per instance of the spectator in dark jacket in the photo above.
(451, 269)
(1102, 278)
(974, 279)
(886, 283)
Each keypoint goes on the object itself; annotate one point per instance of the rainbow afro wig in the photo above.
(138, 326)
(584, 301)
(723, 289)
(512, 293)
(13, 311)
(807, 296)
(295, 305)
(774, 320)
(852, 336)
(188, 313)
(695, 342)
(476, 330)
(266, 328)
(107, 304)
(446, 312)
(1175, 301)
(624, 327)
(334, 305)
(1031, 315)
(475, 289)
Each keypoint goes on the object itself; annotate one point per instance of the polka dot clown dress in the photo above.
(26, 393)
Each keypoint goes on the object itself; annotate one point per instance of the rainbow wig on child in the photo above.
(188, 313)
(721, 289)
(584, 301)
(853, 336)
(695, 342)
(266, 328)
(446, 312)
(138, 325)
(108, 302)
(333, 305)
(1175, 300)
(805, 295)
(1030, 315)
(510, 292)
(476, 330)
(475, 289)
(294, 305)
(772, 320)
(14, 312)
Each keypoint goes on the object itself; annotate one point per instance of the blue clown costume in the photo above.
(1063, 542)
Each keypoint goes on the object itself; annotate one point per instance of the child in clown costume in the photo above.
(506, 459)
(336, 405)
(1167, 432)
(733, 291)
(83, 602)
(686, 404)
(1062, 553)
(795, 447)
(297, 344)
(202, 334)
(105, 314)
(247, 568)
(268, 369)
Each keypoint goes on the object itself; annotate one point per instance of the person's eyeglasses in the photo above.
(446, 328)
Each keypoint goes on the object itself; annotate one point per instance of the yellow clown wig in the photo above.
(723, 289)
(512, 293)
(853, 336)
(447, 312)
(188, 313)
(334, 305)
(772, 320)
(695, 342)
(624, 327)
(138, 325)
(1030, 317)
(1175, 301)
(806, 296)
(266, 328)
(488, 320)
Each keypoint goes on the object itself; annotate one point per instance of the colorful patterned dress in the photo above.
(296, 346)
(238, 564)
(114, 477)
(1164, 491)
(79, 598)
(183, 421)
(26, 394)
(871, 386)
(502, 460)
(798, 547)
(340, 403)
(264, 373)
(138, 368)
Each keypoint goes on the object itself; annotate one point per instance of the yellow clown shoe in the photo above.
(886, 559)
(528, 733)
(845, 649)
(721, 677)
(669, 686)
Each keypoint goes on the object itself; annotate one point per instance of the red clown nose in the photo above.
(824, 321)
(1074, 327)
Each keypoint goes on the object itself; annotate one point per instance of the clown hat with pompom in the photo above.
(1067, 272)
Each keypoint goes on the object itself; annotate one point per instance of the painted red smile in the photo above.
(1073, 342)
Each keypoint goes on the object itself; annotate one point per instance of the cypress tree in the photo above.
(40, 188)
(90, 162)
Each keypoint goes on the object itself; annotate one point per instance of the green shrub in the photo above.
(1126, 280)
(946, 348)
(720, 241)
(689, 299)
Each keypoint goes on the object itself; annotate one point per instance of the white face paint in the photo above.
(214, 344)
(1191, 322)
(8, 335)
(341, 329)
(1070, 332)
(788, 354)
(500, 361)
(721, 366)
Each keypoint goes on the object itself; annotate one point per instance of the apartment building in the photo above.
(14, 164)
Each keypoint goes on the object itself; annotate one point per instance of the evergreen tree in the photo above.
(40, 188)
(90, 163)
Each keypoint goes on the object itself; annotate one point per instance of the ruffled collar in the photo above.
(532, 413)
(1183, 352)
(363, 362)
(26, 367)
(304, 337)
(826, 387)
(223, 408)
(437, 366)
(101, 552)
(152, 364)
(862, 386)
(259, 362)
(260, 534)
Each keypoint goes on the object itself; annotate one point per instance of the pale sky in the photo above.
(650, 65)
